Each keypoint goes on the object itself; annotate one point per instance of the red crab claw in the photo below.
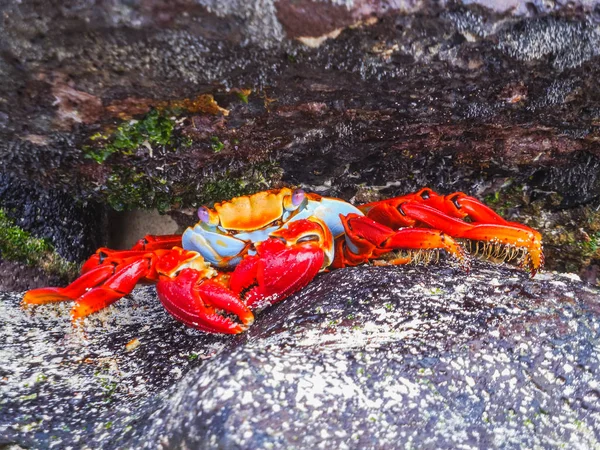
(190, 296)
(284, 263)
(367, 240)
(199, 304)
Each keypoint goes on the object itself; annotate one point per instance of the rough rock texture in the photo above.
(367, 357)
(76, 229)
(357, 99)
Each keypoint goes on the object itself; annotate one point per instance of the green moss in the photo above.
(492, 199)
(17, 244)
(154, 129)
(501, 201)
(127, 188)
(221, 188)
(243, 96)
(216, 144)
(592, 246)
(29, 397)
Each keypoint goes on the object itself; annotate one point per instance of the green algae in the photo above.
(127, 188)
(254, 178)
(216, 144)
(154, 129)
(18, 245)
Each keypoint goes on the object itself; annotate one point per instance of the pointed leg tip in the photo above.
(80, 311)
(238, 329)
(43, 296)
(248, 320)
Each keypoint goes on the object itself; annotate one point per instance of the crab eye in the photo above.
(203, 214)
(298, 197)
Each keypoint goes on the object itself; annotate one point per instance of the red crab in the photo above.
(259, 249)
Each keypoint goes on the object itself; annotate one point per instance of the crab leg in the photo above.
(116, 287)
(505, 233)
(73, 291)
(446, 213)
(184, 287)
(163, 242)
(456, 205)
(106, 257)
(94, 290)
(366, 240)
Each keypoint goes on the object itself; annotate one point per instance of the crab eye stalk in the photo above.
(207, 216)
(203, 214)
(298, 197)
(293, 202)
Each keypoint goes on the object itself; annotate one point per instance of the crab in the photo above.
(253, 251)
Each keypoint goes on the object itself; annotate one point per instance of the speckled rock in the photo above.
(367, 357)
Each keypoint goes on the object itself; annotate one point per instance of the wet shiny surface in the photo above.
(363, 357)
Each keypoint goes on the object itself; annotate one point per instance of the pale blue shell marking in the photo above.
(351, 246)
(214, 245)
(256, 235)
(328, 210)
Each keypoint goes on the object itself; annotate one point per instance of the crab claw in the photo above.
(199, 304)
(285, 263)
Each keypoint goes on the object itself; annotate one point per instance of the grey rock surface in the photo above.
(367, 357)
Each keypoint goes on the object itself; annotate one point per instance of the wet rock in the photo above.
(354, 99)
(476, 98)
(75, 229)
(16, 276)
(363, 357)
